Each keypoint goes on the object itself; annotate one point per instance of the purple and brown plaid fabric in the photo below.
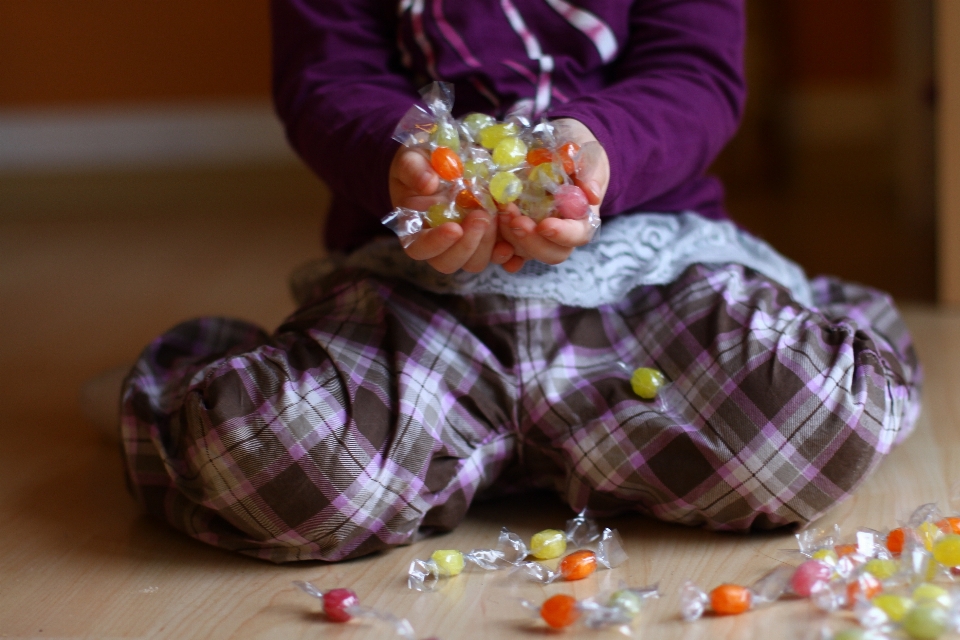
(379, 409)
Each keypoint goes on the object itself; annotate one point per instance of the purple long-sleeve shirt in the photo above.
(658, 82)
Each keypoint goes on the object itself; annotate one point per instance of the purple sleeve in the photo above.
(676, 97)
(340, 92)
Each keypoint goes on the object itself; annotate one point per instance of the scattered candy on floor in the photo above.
(896, 584)
(512, 552)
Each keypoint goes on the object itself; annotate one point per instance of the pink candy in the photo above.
(808, 574)
(571, 202)
(336, 602)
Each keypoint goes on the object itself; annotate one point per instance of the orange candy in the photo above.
(895, 541)
(866, 585)
(845, 549)
(560, 611)
(467, 201)
(578, 565)
(949, 525)
(730, 599)
(446, 163)
(567, 153)
(539, 156)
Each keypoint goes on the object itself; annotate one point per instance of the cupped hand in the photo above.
(554, 239)
(470, 245)
(551, 241)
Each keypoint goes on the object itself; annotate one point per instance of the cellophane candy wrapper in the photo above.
(426, 575)
(615, 609)
(510, 551)
(484, 164)
(609, 554)
(344, 606)
(694, 601)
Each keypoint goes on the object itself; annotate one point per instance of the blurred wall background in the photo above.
(109, 52)
(834, 164)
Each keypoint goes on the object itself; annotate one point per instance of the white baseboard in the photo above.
(141, 137)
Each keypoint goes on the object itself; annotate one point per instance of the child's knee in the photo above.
(733, 476)
(268, 453)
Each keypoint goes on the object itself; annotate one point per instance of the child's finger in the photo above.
(413, 170)
(537, 248)
(520, 231)
(502, 251)
(566, 233)
(514, 264)
(430, 243)
(514, 225)
(453, 259)
(481, 258)
(591, 188)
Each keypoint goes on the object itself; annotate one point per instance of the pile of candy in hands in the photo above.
(512, 552)
(886, 578)
(485, 164)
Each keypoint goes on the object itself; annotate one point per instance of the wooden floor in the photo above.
(90, 270)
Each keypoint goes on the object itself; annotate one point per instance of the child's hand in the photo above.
(470, 245)
(554, 239)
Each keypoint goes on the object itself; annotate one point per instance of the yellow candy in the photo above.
(827, 556)
(646, 382)
(927, 592)
(439, 213)
(881, 569)
(545, 175)
(946, 551)
(505, 187)
(491, 136)
(928, 533)
(548, 544)
(894, 606)
(448, 561)
(509, 153)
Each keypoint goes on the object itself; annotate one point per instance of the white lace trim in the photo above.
(628, 251)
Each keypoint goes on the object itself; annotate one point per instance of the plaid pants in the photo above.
(378, 409)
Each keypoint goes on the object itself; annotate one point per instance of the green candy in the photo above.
(927, 593)
(849, 634)
(439, 213)
(447, 135)
(475, 122)
(627, 601)
(646, 382)
(925, 622)
(476, 169)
